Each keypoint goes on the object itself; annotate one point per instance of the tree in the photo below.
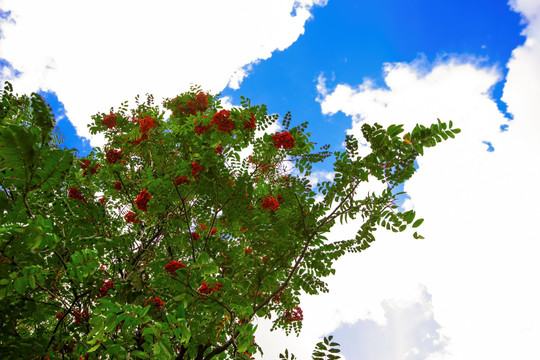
(171, 239)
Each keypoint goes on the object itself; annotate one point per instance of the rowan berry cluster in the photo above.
(155, 301)
(182, 180)
(277, 298)
(295, 315)
(130, 218)
(190, 107)
(195, 169)
(270, 203)
(200, 128)
(146, 124)
(142, 200)
(223, 121)
(250, 124)
(76, 194)
(109, 121)
(81, 316)
(85, 163)
(113, 156)
(283, 140)
(107, 285)
(206, 289)
(172, 266)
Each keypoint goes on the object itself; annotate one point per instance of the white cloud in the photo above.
(239, 75)
(320, 176)
(96, 55)
(479, 259)
(529, 9)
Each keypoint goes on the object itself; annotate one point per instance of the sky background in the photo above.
(470, 290)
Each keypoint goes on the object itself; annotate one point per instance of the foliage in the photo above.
(324, 350)
(169, 241)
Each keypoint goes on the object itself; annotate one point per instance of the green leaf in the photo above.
(186, 334)
(209, 269)
(20, 285)
(204, 258)
(93, 348)
(95, 332)
(157, 348)
(409, 216)
(417, 223)
(139, 354)
(149, 330)
(145, 310)
(166, 350)
(4, 281)
(18, 150)
(32, 281)
(53, 167)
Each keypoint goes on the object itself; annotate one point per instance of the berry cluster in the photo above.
(146, 124)
(200, 128)
(130, 218)
(85, 163)
(195, 236)
(270, 203)
(296, 315)
(81, 316)
(142, 200)
(250, 124)
(107, 285)
(172, 266)
(182, 180)
(277, 298)
(223, 121)
(283, 140)
(113, 156)
(192, 107)
(109, 121)
(206, 289)
(195, 169)
(76, 194)
(155, 301)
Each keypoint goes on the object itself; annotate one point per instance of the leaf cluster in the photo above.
(170, 240)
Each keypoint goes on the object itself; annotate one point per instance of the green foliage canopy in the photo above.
(169, 241)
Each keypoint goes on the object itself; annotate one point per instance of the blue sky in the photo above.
(348, 41)
(337, 65)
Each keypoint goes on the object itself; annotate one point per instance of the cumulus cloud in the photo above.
(479, 257)
(96, 55)
(317, 177)
(410, 332)
(529, 10)
(438, 92)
